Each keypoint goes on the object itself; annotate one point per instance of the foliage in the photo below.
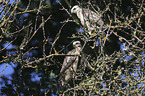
(41, 32)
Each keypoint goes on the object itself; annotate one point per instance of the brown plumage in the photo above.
(88, 18)
(70, 63)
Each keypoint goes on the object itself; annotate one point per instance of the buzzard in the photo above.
(88, 18)
(70, 63)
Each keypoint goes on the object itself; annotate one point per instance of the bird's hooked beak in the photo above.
(72, 11)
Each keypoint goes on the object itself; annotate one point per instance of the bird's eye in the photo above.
(77, 43)
(74, 9)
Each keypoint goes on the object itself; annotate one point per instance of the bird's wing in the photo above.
(68, 60)
(92, 16)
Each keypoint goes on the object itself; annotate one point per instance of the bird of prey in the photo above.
(70, 63)
(88, 18)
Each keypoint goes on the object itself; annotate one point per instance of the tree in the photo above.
(41, 32)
